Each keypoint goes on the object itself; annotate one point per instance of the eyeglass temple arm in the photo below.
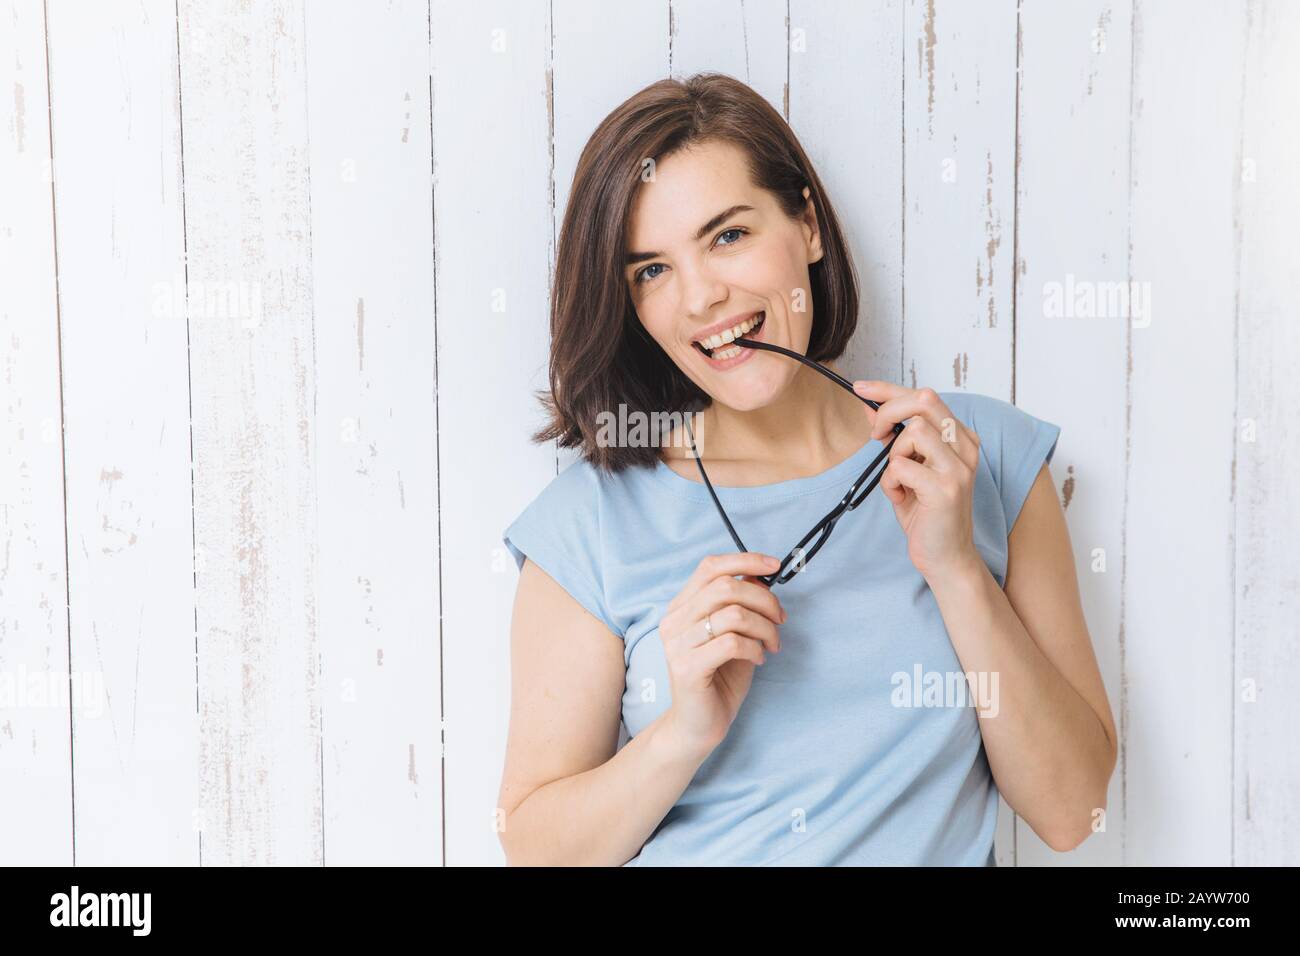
(837, 379)
(846, 504)
(708, 484)
(770, 579)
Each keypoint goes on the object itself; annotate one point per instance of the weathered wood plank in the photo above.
(959, 123)
(959, 83)
(493, 230)
(1070, 365)
(126, 405)
(35, 740)
(1266, 766)
(249, 290)
(846, 95)
(1177, 696)
(372, 272)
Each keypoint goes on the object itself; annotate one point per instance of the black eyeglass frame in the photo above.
(826, 525)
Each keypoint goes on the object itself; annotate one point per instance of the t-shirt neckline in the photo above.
(841, 474)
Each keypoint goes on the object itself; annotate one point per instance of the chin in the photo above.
(742, 396)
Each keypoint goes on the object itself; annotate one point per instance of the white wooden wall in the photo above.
(273, 283)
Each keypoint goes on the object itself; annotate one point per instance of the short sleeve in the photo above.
(1016, 445)
(559, 531)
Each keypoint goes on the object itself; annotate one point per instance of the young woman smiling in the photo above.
(764, 716)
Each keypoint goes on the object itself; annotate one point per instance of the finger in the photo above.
(954, 433)
(717, 565)
(891, 487)
(741, 620)
(877, 390)
(926, 404)
(904, 475)
(710, 656)
(920, 438)
(727, 590)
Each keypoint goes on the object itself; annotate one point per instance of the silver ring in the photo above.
(708, 626)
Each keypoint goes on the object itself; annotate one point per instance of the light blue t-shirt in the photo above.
(843, 752)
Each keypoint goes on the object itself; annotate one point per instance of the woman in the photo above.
(867, 706)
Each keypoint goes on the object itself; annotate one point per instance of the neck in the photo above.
(815, 426)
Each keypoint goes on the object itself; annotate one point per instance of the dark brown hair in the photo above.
(601, 355)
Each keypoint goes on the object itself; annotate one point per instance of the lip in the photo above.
(745, 354)
(717, 327)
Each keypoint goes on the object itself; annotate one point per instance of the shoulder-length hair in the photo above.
(601, 355)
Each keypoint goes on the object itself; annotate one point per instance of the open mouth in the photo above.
(727, 349)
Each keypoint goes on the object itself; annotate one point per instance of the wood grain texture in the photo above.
(959, 180)
(253, 386)
(1266, 759)
(375, 458)
(846, 91)
(35, 733)
(959, 128)
(1070, 369)
(273, 307)
(493, 229)
(1176, 698)
(127, 428)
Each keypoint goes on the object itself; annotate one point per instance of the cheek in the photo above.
(777, 269)
(657, 324)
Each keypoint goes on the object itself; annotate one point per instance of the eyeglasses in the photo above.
(823, 528)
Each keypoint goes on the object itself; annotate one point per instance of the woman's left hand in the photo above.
(930, 475)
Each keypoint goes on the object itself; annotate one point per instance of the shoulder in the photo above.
(581, 478)
(562, 531)
(570, 497)
(1000, 425)
(974, 408)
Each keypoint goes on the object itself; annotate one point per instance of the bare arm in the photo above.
(569, 799)
(1052, 745)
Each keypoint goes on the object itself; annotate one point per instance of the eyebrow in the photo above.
(634, 257)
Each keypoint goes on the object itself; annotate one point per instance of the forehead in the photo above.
(689, 186)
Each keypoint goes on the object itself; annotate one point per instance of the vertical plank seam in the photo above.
(902, 164)
(314, 450)
(1015, 205)
(63, 443)
(550, 137)
(1239, 227)
(1128, 457)
(1015, 297)
(189, 387)
(437, 440)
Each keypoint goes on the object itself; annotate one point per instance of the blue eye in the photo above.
(640, 276)
(642, 272)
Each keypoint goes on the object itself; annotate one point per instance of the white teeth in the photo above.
(729, 353)
(731, 334)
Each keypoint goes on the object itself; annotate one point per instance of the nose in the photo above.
(701, 291)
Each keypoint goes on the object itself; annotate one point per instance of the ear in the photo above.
(813, 232)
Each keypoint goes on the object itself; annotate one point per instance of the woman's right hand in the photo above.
(710, 677)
